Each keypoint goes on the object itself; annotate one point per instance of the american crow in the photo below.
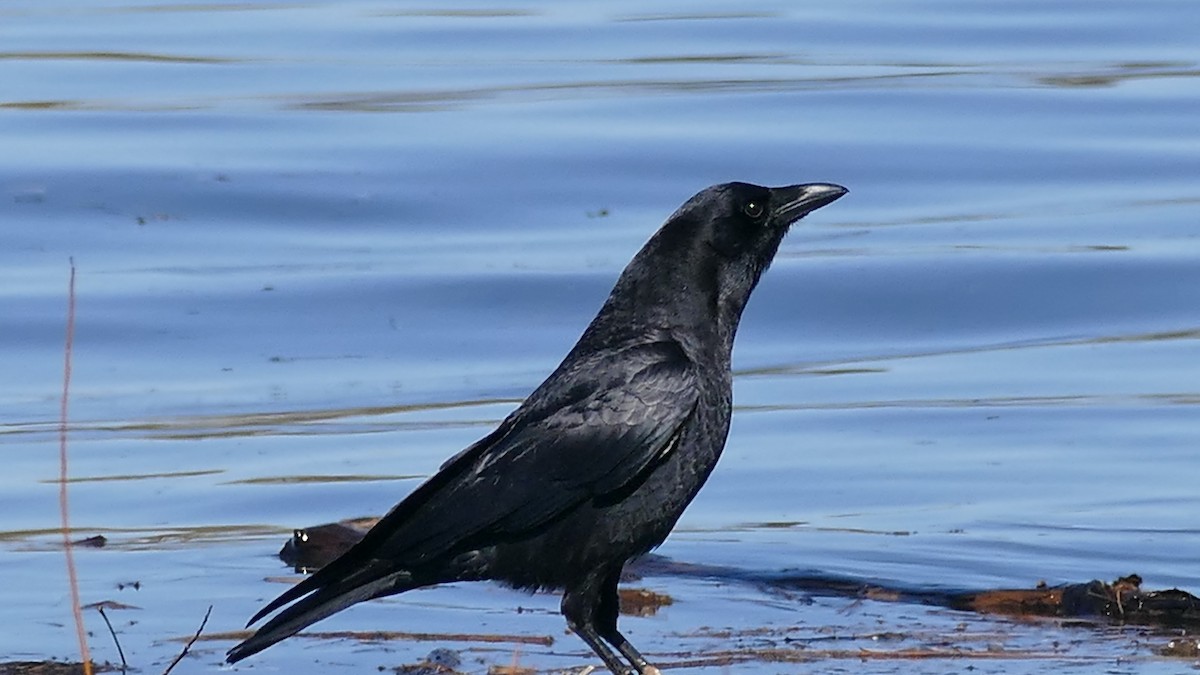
(595, 467)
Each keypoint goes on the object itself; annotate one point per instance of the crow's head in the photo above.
(744, 222)
(728, 234)
(699, 269)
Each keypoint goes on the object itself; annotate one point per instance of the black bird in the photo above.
(597, 465)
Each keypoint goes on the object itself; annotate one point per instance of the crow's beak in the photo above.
(796, 201)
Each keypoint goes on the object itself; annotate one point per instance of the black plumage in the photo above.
(599, 462)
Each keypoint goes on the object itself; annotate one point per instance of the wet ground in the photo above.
(321, 247)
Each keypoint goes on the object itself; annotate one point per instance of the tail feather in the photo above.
(306, 586)
(312, 608)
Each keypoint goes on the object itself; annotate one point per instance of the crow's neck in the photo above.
(659, 297)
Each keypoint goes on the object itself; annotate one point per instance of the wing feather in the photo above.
(596, 426)
(586, 437)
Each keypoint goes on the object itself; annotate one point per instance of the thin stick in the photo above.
(190, 642)
(113, 633)
(63, 508)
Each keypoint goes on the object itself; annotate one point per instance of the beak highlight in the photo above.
(796, 201)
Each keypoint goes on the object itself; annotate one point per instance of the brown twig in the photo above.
(84, 654)
(189, 642)
(113, 633)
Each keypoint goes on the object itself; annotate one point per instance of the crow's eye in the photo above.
(753, 208)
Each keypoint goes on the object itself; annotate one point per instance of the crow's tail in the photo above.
(315, 606)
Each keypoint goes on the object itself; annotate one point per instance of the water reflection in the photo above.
(1119, 73)
(146, 538)
(112, 56)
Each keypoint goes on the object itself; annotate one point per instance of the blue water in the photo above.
(321, 247)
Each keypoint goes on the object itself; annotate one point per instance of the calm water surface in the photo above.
(322, 246)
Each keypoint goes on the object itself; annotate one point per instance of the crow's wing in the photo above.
(598, 425)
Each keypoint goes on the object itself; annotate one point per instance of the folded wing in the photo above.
(598, 425)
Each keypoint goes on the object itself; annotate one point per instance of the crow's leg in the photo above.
(579, 606)
(607, 610)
